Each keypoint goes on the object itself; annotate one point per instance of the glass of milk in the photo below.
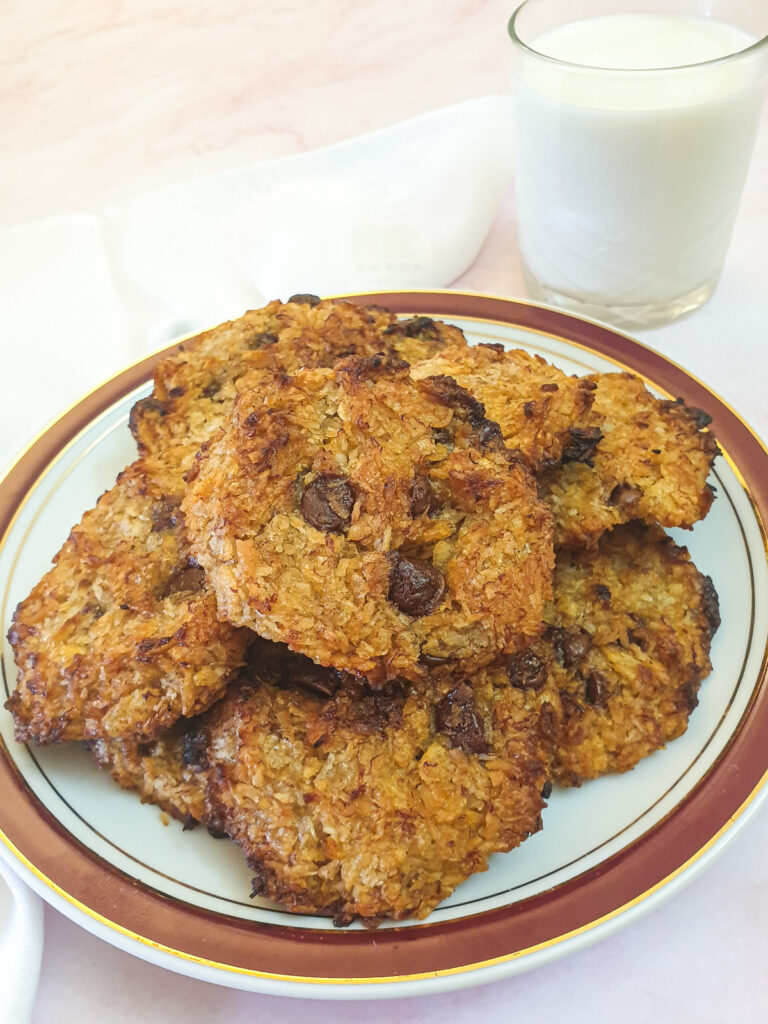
(635, 122)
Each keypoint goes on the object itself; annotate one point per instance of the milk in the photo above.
(628, 181)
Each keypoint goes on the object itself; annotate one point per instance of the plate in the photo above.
(608, 851)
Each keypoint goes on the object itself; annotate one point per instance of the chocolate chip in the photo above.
(488, 433)
(637, 639)
(260, 880)
(212, 388)
(546, 791)
(601, 592)
(581, 445)
(165, 514)
(448, 391)
(529, 409)
(261, 340)
(598, 689)
(442, 435)
(176, 392)
(142, 409)
(412, 328)
(570, 645)
(315, 678)
(456, 716)
(189, 577)
(195, 750)
(433, 660)
(327, 502)
(217, 833)
(624, 495)
(421, 496)
(305, 299)
(587, 385)
(526, 671)
(415, 586)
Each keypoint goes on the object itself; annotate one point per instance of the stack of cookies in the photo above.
(367, 592)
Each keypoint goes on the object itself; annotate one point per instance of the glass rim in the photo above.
(747, 51)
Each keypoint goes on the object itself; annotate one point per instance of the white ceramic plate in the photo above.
(607, 851)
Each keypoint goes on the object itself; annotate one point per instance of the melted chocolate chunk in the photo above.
(421, 496)
(165, 515)
(195, 751)
(570, 645)
(357, 707)
(456, 716)
(598, 689)
(415, 586)
(212, 388)
(305, 299)
(582, 445)
(601, 592)
(189, 577)
(327, 503)
(488, 434)
(526, 671)
(315, 678)
(433, 660)
(442, 435)
(448, 391)
(144, 407)
(261, 340)
(414, 327)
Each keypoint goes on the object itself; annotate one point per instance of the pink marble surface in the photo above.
(99, 101)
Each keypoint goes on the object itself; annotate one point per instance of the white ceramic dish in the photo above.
(607, 851)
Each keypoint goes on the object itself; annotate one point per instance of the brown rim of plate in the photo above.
(117, 901)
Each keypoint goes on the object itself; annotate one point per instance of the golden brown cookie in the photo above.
(374, 523)
(355, 802)
(194, 386)
(164, 771)
(627, 647)
(121, 636)
(540, 410)
(652, 464)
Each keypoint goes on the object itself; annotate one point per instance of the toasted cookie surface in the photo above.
(651, 463)
(164, 771)
(540, 410)
(194, 386)
(366, 803)
(121, 636)
(374, 523)
(630, 627)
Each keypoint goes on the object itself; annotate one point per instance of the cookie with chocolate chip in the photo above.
(373, 522)
(194, 386)
(121, 637)
(540, 410)
(627, 647)
(651, 463)
(350, 801)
